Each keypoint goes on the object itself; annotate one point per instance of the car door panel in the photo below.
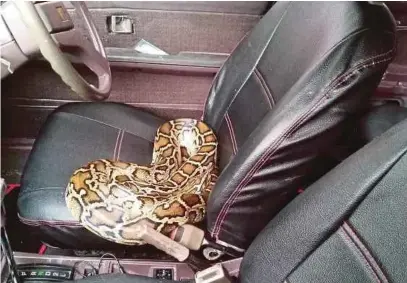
(197, 35)
(178, 26)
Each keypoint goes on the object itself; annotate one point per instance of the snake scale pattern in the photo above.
(110, 197)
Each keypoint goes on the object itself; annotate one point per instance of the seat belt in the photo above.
(183, 239)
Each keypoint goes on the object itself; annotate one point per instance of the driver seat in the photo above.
(279, 102)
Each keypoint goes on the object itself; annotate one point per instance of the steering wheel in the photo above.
(53, 30)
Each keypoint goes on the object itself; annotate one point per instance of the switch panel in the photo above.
(164, 273)
(42, 273)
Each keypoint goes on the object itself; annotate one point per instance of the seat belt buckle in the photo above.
(213, 274)
(149, 235)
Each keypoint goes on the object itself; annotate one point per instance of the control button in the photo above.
(45, 274)
(164, 273)
(55, 16)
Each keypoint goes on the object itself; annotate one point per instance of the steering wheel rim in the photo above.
(91, 54)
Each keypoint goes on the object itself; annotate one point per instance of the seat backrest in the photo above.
(349, 226)
(282, 98)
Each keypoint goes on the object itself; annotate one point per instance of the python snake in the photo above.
(110, 197)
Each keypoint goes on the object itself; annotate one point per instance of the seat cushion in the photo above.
(73, 135)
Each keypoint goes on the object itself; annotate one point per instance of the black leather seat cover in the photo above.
(278, 103)
(349, 226)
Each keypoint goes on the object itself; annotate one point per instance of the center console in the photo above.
(88, 266)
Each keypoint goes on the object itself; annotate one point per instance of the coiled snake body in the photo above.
(110, 197)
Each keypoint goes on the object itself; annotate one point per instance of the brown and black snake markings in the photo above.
(110, 197)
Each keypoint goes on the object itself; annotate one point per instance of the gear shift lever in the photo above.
(5, 244)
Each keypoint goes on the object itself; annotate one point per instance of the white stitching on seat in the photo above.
(363, 249)
(337, 81)
(351, 244)
(231, 133)
(120, 145)
(115, 146)
(259, 76)
(103, 123)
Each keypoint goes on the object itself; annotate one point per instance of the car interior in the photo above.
(207, 142)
